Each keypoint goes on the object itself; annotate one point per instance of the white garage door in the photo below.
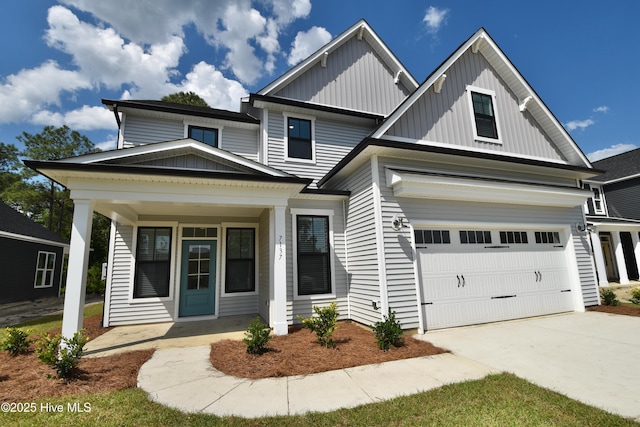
(471, 276)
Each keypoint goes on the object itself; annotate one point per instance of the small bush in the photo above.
(324, 324)
(608, 297)
(257, 336)
(16, 342)
(63, 358)
(388, 332)
(635, 296)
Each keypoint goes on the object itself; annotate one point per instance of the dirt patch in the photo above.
(298, 353)
(627, 310)
(24, 378)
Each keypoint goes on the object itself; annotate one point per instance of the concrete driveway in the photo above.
(591, 357)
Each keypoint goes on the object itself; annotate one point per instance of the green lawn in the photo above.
(497, 400)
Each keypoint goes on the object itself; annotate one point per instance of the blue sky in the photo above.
(60, 58)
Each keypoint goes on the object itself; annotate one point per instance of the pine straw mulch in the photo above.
(298, 353)
(24, 377)
(627, 310)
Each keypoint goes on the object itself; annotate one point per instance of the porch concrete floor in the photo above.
(168, 335)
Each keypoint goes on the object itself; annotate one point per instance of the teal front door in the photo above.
(198, 278)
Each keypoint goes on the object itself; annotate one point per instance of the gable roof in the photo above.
(481, 42)
(620, 167)
(360, 29)
(13, 224)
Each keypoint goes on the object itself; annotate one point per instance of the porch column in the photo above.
(77, 267)
(636, 247)
(278, 304)
(599, 259)
(619, 253)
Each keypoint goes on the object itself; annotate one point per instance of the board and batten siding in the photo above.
(304, 307)
(333, 141)
(446, 117)
(121, 311)
(354, 78)
(139, 130)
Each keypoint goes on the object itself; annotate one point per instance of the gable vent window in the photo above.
(482, 105)
(207, 135)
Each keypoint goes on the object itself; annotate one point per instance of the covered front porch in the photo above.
(616, 250)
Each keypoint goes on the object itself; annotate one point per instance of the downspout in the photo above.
(346, 258)
(377, 209)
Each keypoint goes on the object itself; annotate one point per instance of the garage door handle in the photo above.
(504, 296)
(464, 282)
(458, 280)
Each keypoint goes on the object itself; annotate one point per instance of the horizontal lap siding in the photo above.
(238, 304)
(144, 130)
(121, 311)
(243, 142)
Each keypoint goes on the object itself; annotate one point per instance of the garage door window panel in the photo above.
(475, 237)
(514, 237)
(432, 237)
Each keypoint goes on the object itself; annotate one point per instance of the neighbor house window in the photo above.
(207, 135)
(153, 262)
(240, 272)
(299, 139)
(45, 269)
(485, 122)
(313, 254)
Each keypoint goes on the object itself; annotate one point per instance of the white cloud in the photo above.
(601, 109)
(85, 118)
(435, 18)
(575, 124)
(212, 86)
(111, 143)
(610, 151)
(306, 43)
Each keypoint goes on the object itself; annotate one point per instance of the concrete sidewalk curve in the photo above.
(183, 378)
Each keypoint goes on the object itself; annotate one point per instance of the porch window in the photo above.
(45, 269)
(240, 272)
(299, 139)
(207, 135)
(313, 255)
(153, 262)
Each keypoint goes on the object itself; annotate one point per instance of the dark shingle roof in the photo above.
(619, 166)
(12, 221)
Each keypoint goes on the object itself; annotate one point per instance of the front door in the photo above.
(198, 278)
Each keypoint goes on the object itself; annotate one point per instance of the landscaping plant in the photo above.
(257, 336)
(323, 324)
(388, 332)
(635, 296)
(16, 342)
(608, 297)
(63, 358)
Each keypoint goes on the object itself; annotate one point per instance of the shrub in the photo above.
(16, 342)
(609, 297)
(635, 296)
(324, 324)
(257, 336)
(388, 332)
(63, 358)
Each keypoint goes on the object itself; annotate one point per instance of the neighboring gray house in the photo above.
(31, 258)
(451, 202)
(614, 217)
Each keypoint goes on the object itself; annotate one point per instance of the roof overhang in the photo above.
(605, 223)
(33, 239)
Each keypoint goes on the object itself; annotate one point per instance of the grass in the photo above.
(497, 400)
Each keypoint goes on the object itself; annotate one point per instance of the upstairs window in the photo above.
(207, 135)
(485, 121)
(598, 202)
(299, 139)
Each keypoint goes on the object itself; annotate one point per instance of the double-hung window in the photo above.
(598, 202)
(45, 269)
(153, 262)
(300, 144)
(207, 135)
(313, 253)
(485, 121)
(240, 271)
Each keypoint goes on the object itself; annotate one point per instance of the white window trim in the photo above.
(45, 269)
(312, 119)
(294, 240)
(203, 125)
(473, 117)
(603, 205)
(172, 261)
(223, 262)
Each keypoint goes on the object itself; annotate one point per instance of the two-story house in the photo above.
(452, 202)
(614, 217)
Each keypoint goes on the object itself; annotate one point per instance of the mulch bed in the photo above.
(627, 310)
(298, 353)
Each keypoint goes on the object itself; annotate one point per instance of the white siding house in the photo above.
(453, 202)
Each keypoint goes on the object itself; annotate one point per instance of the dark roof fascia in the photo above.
(445, 150)
(323, 192)
(170, 107)
(37, 165)
(324, 108)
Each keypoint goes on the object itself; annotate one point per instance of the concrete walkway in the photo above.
(183, 378)
(591, 357)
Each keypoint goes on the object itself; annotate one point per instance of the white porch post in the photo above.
(619, 253)
(636, 247)
(278, 303)
(599, 258)
(77, 268)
